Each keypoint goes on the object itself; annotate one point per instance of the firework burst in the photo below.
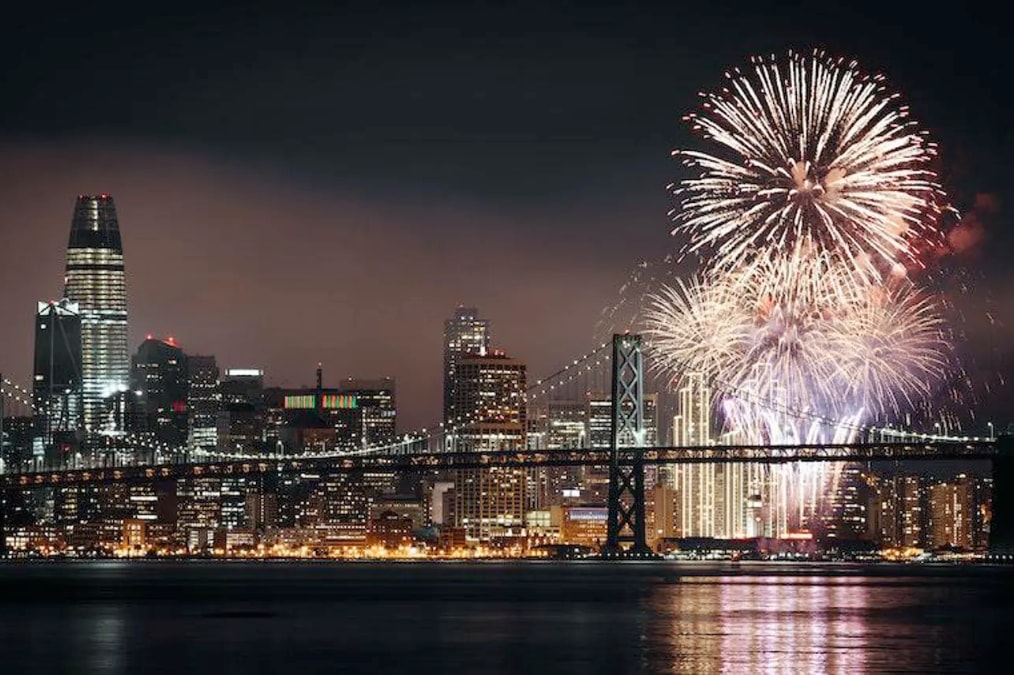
(799, 358)
(808, 153)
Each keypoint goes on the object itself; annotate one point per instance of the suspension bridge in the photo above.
(615, 372)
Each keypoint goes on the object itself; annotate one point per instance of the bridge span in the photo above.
(560, 457)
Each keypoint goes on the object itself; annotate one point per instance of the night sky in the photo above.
(327, 184)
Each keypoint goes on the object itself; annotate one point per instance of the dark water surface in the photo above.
(209, 618)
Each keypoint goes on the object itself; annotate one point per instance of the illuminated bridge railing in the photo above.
(434, 460)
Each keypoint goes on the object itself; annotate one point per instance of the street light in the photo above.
(991, 436)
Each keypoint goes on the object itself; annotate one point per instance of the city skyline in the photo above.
(506, 337)
(503, 197)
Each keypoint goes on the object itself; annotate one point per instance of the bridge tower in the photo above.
(625, 535)
(1001, 529)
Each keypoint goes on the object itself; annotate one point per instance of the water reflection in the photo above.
(588, 619)
(819, 624)
(98, 639)
(762, 624)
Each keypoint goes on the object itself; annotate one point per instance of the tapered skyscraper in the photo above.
(95, 282)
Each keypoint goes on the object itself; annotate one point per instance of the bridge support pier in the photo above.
(625, 534)
(1001, 527)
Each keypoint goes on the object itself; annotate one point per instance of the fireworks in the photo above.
(813, 202)
(802, 366)
(808, 153)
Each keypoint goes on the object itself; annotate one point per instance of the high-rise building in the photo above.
(557, 424)
(464, 334)
(241, 418)
(204, 400)
(951, 513)
(375, 414)
(57, 387)
(159, 377)
(489, 391)
(242, 385)
(896, 517)
(695, 484)
(912, 498)
(16, 434)
(846, 516)
(373, 422)
(594, 488)
(96, 283)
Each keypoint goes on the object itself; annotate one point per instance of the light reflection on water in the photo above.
(495, 618)
(99, 636)
(763, 624)
(826, 624)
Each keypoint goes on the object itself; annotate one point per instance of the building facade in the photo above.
(159, 376)
(489, 391)
(96, 283)
(465, 333)
(204, 400)
(57, 385)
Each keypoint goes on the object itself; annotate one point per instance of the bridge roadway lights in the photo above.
(1001, 528)
(629, 554)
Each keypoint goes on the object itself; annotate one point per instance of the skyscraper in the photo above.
(95, 281)
(241, 418)
(204, 400)
(159, 375)
(57, 386)
(490, 393)
(466, 333)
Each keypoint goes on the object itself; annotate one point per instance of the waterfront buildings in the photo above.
(96, 283)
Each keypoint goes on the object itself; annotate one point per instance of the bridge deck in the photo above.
(433, 460)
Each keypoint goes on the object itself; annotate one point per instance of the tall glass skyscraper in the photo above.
(57, 383)
(95, 282)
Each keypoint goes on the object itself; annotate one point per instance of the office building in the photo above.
(96, 283)
(489, 390)
(242, 415)
(57, 390)
(465, 333)
(950, 518)
(160, 380)
(16, 441)
(204, 401)
(374, 417)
